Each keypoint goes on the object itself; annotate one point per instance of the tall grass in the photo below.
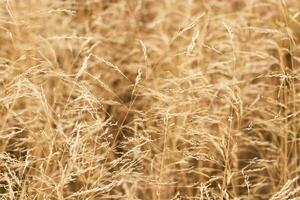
(149, 99)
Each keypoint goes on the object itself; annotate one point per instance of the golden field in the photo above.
(150, 99)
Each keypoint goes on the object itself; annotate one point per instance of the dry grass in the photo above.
(150, 99)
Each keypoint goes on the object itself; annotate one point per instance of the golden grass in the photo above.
(149, 99)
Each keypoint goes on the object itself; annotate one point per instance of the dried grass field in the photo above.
(150, 99)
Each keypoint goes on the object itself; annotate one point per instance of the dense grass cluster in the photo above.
(150, 99)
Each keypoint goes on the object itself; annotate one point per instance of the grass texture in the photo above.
(150, 99)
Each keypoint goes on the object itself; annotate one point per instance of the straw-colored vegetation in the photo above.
(150, 99)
